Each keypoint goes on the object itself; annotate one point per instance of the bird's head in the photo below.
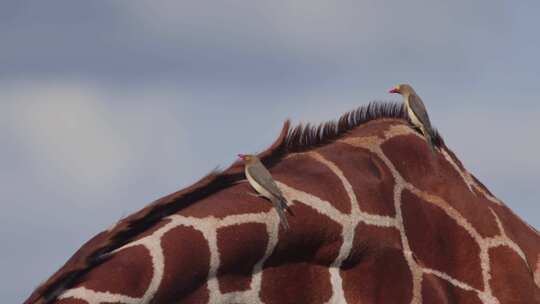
(402, 89)
(247, 158)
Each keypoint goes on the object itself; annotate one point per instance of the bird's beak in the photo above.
(241, 156)
(394, 90)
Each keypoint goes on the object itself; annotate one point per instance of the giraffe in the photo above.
(376, 220)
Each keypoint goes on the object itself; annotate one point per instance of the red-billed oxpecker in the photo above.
(416, 111)
(261, 180)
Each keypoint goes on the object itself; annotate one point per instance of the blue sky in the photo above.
(108, 105)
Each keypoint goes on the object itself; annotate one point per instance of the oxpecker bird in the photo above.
(260, 179)
(416, 111)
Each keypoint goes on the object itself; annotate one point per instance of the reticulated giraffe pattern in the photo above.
(375, 221)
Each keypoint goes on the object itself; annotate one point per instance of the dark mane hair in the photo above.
(300, 138)
(305, 137)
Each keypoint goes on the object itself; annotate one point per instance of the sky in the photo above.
(106, 106)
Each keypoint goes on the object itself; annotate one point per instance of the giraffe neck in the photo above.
(375, 220)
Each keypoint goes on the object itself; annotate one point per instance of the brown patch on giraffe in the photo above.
(198, 296)
(411, 157)
(237, 200)
(439, 242)
(127, 272)
(437, 290)
(298, 282)
(240, 248)
(413, 160)
(309, 175)
(317, 240)
(519, 232)
(510, 277)
(187, 259)
(368, 240)
(370, 179)
(381, 276)
(300, 259)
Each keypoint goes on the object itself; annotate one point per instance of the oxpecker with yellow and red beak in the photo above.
(416, 111)
(261, 180)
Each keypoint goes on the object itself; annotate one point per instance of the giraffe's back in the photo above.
(377, 219)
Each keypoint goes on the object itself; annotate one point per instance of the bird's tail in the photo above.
(429, 138)
(281, 205)
(431, 144)
(285, 206)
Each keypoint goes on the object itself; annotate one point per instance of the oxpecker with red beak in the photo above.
(416, 111)
(261, 180)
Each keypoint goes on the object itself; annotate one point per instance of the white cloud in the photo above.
(89, 135)
(326, 28)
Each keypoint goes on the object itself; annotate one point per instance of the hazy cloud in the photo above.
(90, 136)
(105, 106)
(264, 43)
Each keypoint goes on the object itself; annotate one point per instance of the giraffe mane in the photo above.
(308, 136)
(300, 138)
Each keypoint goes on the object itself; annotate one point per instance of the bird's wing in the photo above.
(262, 176)
(417, 106)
